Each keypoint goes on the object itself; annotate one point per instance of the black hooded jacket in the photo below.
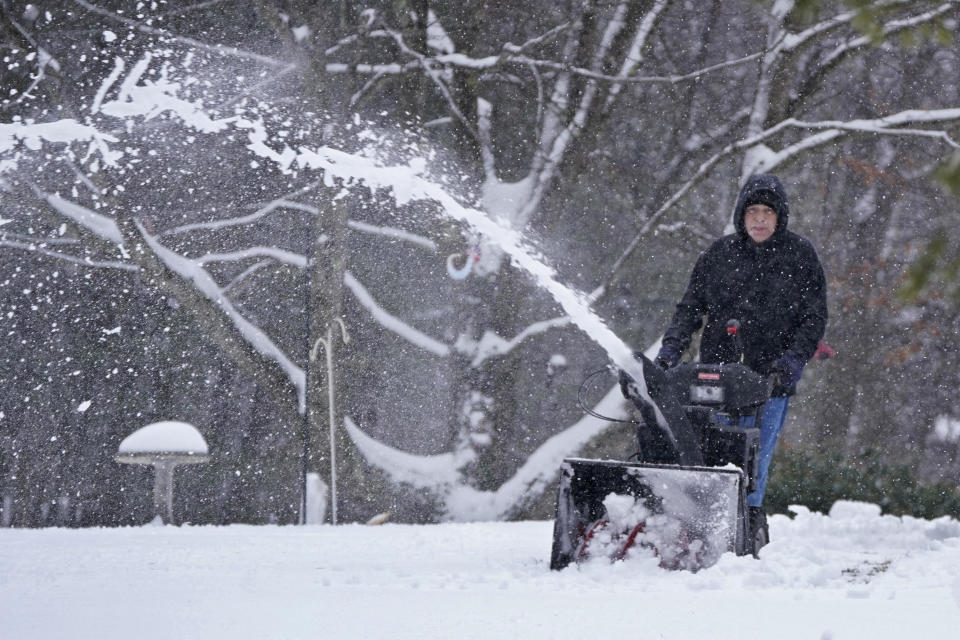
(775, 289)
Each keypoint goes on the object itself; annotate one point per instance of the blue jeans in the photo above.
(774, 414)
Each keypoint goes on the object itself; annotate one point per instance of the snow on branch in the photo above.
(366, 88)
(192, 270)
(635, 55)
(391, 322)
(888, 29)
(491, 345)
(214, 225)
(118, 66)
(489, 62)
(884, 124)
(283, 202)
(793, 41)
(439, 474)
(92, 221)
(765, 159)
(427, 66)
(34, 240)
(280, 255)
(536, 40)
(437, 37)
(484, 113)
(86, 262)
(393, 232)
(391, 68)
(513, 54)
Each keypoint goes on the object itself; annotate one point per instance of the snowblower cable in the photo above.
(590, 411)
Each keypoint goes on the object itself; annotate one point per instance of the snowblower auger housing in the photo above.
(684, 498)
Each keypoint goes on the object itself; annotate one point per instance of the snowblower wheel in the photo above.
(758, 525)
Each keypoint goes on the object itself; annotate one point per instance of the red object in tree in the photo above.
(823, 352)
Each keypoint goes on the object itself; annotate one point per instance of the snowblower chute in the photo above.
(684, 498)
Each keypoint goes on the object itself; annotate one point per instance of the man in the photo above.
(770, 280)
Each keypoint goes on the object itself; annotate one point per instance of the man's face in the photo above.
(760, 221)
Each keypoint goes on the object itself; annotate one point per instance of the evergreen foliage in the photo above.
(803, 476)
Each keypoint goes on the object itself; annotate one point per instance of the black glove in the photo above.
(668, 358)
(787, 371)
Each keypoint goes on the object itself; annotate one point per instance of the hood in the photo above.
(765, 189)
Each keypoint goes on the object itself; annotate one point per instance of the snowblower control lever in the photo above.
(733, 330)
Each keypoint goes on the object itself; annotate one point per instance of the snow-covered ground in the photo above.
(852, 574)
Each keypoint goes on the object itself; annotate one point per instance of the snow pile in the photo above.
(946, 428)
(854, 549)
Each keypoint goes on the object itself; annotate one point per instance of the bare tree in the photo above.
(230, 197)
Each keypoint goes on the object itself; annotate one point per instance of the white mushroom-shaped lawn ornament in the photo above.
(164, 445)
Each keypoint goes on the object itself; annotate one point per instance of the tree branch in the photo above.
(831, 130)
(187, 281)
(391, 322)
(215, 48)
(491, 345)
(280, 255)
(889, 29)
(393, 232)
(490, 62)
(283, 202)
(425, 64)
(86, 262)
(842, 51)
(246, 273)
(239, 337)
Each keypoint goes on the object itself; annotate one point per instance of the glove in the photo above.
(787, 370)
(668, 357)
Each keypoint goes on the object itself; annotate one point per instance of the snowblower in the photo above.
(682, 498)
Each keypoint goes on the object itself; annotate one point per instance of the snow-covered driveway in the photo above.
(851, 575)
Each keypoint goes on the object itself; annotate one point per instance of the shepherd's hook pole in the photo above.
(328, 349)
